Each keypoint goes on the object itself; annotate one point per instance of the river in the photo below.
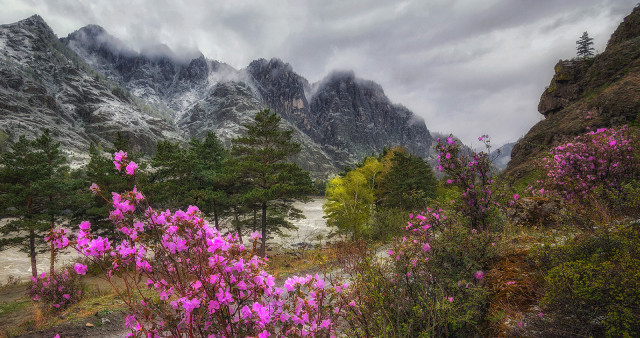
(312, 230)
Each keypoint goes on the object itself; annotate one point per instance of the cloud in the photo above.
(468, 67)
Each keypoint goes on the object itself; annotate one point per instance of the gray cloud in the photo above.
(467, 67)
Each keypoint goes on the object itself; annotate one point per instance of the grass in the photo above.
(9, 307)
(288, 263)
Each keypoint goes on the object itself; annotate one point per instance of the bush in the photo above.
(430, 285)
(57, 291)
(472, 175)
(182, 277)
(596, 172)
(596, 280)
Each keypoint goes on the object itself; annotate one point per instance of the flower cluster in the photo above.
(472, 174)
(601, 159)
(200, 282)
(55, 291)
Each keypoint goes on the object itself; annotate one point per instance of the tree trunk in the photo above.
(263, 249)
(237, 223)
(53, 249)
(255, 220)
(215, 218)
(32, 252)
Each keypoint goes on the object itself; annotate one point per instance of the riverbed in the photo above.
(312, 230)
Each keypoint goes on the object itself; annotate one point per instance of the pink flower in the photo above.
(479, 274)
(94, 188)
(130, 321)
(426, 247)
(450, 140)
(190, 305)
(119, 156)
(131, 167)
(352, 303)
(255, 235)
(85, 225)
(81, 269)
(516, 196)
(450, 299)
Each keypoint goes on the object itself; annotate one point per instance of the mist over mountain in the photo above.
(89, 85)
(43, 84)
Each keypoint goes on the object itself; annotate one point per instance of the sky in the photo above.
(467, 67)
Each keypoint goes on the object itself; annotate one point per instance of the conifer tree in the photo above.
(261, 161)
(32, 189)
(585, 46)
(191, 176)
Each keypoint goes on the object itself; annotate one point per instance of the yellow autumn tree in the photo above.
(351, 198)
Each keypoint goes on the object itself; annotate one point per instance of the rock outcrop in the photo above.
(586, 94)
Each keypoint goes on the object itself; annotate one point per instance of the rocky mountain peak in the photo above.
(35, 21)
(96, 39)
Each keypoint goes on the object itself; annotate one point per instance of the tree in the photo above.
(260, 160)
(191, 176)
(350, 199)
(407, 181)
(32, 186)
(585, 46)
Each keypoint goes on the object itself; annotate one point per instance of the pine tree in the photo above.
(33, 186)
(273, 183)
(585, 46)
(191, 176)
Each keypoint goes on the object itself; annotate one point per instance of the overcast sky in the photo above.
(469, 67)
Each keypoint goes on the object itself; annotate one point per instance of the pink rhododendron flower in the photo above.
(131, 167)
(81, 269)
(479, 274)
(118, 156)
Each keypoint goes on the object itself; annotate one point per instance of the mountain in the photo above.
(338, 120)
(586, 94)
(89, 85)
(45, 84)
(501, 156)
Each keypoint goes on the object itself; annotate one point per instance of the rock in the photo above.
(105, 321)
(534, 211)
(602, 92)
(89, 325)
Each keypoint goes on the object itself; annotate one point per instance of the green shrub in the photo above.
(429, 283)
(596, 279)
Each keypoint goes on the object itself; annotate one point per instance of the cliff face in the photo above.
(354, 118)
(586, 94)
(43, 84)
